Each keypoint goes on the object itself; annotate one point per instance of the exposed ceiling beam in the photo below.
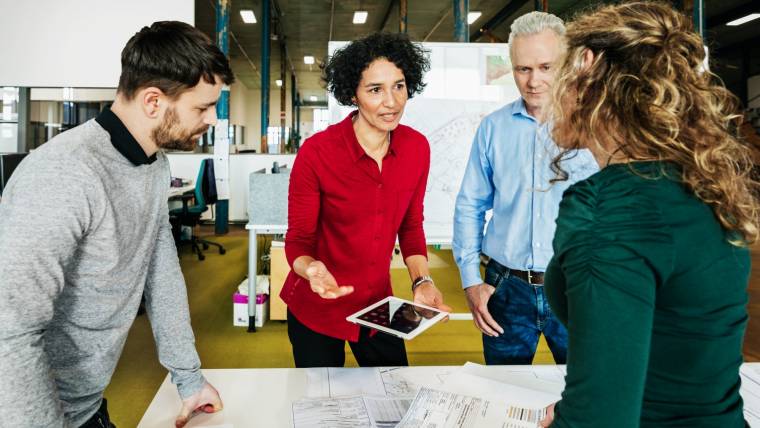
(500, 16)
(736, 46)
(437, 24)
(387, 14)
(743, 10)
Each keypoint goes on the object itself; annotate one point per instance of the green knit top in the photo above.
(654, 299)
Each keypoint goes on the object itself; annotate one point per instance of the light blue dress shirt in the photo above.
(509, 172)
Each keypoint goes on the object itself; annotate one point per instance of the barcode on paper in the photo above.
(521, 417)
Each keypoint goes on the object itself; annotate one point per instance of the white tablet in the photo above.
(398, 317)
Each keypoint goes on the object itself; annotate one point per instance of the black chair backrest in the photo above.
(208, 183)
(8, 163)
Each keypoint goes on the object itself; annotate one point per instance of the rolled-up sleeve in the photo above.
(475, 198)
(303, 207)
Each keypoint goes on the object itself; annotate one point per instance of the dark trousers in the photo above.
(100, 419)
(522, 310)
(312, 349)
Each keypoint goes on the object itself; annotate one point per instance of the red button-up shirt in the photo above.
(346, 213)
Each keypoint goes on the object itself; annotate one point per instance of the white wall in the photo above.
(75, 43)
(79, 94)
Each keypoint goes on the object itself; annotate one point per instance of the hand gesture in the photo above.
(323, 283)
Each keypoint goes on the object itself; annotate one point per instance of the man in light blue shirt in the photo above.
(509, 173)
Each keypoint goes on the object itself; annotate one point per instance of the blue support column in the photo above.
(461, 33)
(265, 40)
(221, 225)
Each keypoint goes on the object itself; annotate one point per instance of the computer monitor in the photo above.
(8, 163)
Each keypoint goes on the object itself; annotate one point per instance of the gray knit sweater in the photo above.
(83, 233)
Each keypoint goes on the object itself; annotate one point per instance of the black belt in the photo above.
(530, 276)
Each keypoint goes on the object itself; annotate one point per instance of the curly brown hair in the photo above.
(343, 70)
(647, 95)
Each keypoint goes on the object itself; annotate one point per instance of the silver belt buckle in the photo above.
(530, 278)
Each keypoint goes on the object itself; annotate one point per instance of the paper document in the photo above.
(355, 381)
(751, 395)
(440, 409)
(546, 378)
(386, 412)
(318, 382)
(406, 381)
(222, 159)
(476, 386)
(349, 412)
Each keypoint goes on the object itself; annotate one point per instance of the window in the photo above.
(8, 119)
(321, 119)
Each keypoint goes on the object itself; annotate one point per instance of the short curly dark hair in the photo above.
(342, 71)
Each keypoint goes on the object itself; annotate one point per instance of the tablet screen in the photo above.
(397, 315)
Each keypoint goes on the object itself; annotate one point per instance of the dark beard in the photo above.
(165, 135)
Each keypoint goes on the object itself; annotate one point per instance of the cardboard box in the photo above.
(279, 270)
(240, 309)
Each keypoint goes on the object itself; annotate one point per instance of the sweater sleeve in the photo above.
(611, 253)
(44, 214)
(167, 307)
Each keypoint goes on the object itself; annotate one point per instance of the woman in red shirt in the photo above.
(354, 188)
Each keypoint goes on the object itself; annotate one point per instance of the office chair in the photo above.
(8, 163)
(190, 215)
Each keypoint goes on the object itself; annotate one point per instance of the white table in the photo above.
(264, 397)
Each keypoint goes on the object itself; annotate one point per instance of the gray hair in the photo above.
(534, 23)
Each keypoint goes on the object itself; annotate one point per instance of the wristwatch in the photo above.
(421, 279)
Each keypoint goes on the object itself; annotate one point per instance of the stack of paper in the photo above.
(468, 397)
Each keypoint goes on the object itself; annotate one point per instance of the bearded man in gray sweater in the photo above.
(84, 233)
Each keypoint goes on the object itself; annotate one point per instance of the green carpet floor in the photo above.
(210, 284)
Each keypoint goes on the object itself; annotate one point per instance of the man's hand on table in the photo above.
(206, 400)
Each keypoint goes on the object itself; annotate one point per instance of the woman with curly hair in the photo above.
(651, 262)
(355, 187)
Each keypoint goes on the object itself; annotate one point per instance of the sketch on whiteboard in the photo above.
(450, 127)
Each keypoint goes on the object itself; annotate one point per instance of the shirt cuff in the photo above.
(470, 275)
(294, 251)
(188, 384)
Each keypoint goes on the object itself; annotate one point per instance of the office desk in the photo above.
(175, 192)
(264, 397)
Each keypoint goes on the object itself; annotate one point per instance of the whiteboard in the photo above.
(466, 82)
(75, 43)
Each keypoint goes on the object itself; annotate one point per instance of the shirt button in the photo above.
(538, 244)
(379, 186)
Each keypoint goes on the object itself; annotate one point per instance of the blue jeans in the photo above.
(522, 311)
